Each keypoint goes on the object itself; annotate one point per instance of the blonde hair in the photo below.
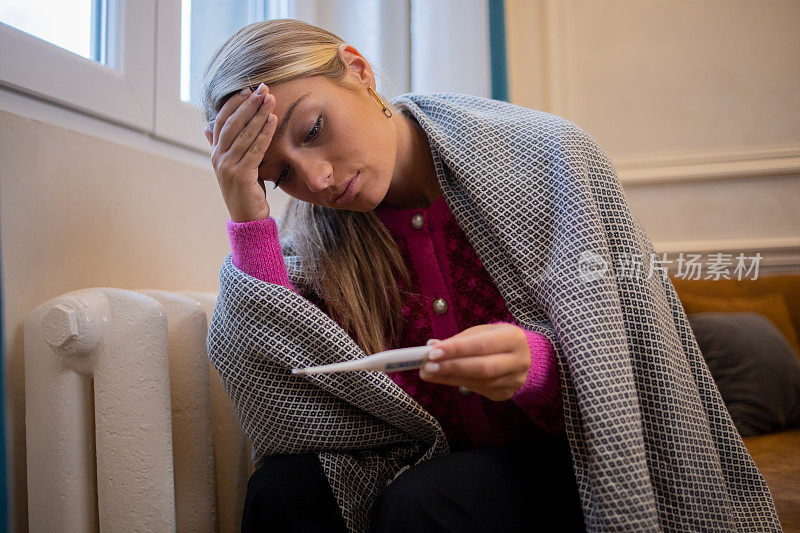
(354, 256)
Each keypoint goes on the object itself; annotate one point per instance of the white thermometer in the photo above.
(386, 361)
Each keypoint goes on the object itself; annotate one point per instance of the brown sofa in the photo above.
(778, 454)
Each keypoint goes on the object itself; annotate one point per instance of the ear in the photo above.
(356, 64)
(209, 136)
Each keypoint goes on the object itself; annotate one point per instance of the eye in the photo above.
(316, 129)
(313, 134)
(264, 179)
(280, 178)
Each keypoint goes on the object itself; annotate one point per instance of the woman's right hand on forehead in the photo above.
(239, 140)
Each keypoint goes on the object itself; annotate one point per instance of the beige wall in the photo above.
(80, 210)
(697, 104)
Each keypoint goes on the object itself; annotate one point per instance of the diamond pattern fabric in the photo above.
(652, 444)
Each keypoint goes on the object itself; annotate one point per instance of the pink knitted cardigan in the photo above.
(442, 265)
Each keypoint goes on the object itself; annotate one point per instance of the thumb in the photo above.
(480, 328)
(474, 330)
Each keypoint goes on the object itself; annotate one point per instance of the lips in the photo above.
(344, 189)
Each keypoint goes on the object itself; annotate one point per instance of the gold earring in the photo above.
(386, 110)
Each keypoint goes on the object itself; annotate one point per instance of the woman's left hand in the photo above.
(491, 359)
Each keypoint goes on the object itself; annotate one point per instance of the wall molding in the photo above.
(727, 245)
(637, 170)
(707, 165)
(778, 254)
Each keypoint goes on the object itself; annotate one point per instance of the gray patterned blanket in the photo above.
(652, 443)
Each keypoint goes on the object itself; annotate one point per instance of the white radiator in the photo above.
(128, 427)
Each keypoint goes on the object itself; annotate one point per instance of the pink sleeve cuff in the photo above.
(256, 251)
(540, 396)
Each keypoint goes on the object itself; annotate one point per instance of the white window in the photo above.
(138, 63)
(189, 31)
(74, 25)
(115, 83)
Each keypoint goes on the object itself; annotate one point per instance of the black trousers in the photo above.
(522, 486)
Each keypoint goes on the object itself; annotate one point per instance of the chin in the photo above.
(369, 196)
(381, 196)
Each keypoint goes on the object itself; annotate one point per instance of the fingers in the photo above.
(238, 117)
(227, 109)
(234, 130)
(209, 135)
(254, 140)
(479, 341)
(498, 388)
(476, 370)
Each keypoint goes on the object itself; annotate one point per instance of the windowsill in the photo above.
(39, 109)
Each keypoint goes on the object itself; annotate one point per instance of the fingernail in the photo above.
(436, 353)
(261, 89)
(430, 368)
(244, 91)
(431, 341)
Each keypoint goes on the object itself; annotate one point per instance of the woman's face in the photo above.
(326, 135)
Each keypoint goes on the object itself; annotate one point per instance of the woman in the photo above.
(370, 223)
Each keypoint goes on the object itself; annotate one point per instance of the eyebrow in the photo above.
(288, 115)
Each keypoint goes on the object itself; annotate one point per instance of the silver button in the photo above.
(418, 221)
(440, 306)
(464, 391)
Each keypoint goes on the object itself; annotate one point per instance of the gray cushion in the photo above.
(754, 367)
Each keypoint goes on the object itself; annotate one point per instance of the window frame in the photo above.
(121, 92)
(173, 120)
(139, 88)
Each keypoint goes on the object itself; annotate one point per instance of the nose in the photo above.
(316, 173)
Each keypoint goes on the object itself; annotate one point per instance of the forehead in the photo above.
(286, 93)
